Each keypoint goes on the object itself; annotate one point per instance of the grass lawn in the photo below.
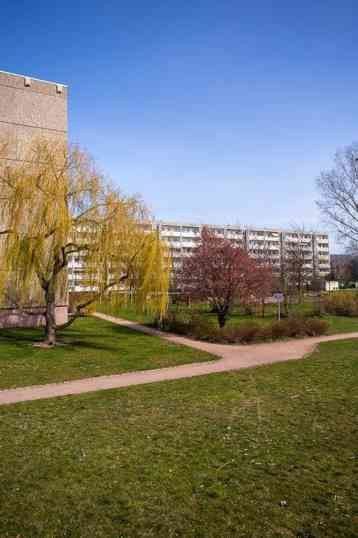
(125, 312)
(263, 453)
(337, 324)
(93, 347)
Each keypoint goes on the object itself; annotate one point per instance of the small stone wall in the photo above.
(13, 317)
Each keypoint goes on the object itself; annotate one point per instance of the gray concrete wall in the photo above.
(28, 111)
(30, 108)
(12, 317)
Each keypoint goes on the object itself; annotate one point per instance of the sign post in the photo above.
(279, 299)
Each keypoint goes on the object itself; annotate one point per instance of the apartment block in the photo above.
(273, 244)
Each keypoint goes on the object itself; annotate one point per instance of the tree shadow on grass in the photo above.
(20, 336)
(113, 332)
(129, 332)
(83, 345)
(83, 338)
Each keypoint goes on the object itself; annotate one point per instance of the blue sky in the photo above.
(215, 111)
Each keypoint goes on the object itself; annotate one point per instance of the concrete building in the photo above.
(272, 243)
(30, 108)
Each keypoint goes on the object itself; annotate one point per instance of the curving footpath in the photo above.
(230, 357)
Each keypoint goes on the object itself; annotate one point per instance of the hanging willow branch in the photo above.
(55, 205)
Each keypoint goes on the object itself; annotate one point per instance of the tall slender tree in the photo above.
(297, 263)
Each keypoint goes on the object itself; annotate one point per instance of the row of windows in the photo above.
(266, 244)
(180, 230)
(263, 233)
(272, 252)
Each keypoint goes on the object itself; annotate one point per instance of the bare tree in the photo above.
(338, 189)
(297, 264)
(262, 253)
(342, 266)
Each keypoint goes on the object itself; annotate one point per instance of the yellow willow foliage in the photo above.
(34, 209)
(148, 285)
(56, 205)
(137, 262)
(153, 275)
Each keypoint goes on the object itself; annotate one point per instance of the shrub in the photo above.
(248, 332)
(315, 326)
(295, 326)
(174, 323)
(267, 333)
(278, 329)
(196, 326)
(200, 328)
(191, 324)
(342, 303)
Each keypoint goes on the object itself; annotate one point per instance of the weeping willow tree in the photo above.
(56, 205)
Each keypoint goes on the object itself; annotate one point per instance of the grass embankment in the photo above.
(337, 324)
(91, 347)
(265, 453)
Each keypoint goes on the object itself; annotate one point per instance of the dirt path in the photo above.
(230, 357)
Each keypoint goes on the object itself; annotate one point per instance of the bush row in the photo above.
(246, 332)
(342, 303)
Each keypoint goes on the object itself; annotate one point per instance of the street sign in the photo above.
(279, 298)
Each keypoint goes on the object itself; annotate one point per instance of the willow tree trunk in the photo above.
(50, 316)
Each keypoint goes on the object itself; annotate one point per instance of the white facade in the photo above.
(332, 285)
(271, 243)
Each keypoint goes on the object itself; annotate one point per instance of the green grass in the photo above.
(125, 312)
(92, 347)
(341, 324)
(337, 324)
(206, 457)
